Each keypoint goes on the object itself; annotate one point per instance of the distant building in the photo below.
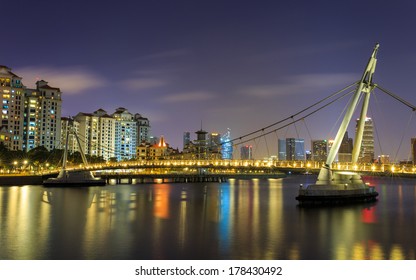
(281, 147)
(186, 139)
(97, 132)
(367, 145)
(143, 129)
(29, 117)
(201, 144)
(246, 152)
(319, 150)
(125, 134)
(295, 149)
(384, 159)
(291, 149)
(345, 150)
(226, 145)
(413, 149)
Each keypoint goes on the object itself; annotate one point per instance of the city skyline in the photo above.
(231, 64)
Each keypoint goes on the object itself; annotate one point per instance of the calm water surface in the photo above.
(240, 219)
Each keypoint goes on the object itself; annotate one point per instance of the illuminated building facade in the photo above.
(143, 129)
(367, 147)
(30, 117)
(226, 145)
(12, 95)
(68, 124)
(125, 134)
(97, 133)
(291, 149)
(319, 150)
(49, 115)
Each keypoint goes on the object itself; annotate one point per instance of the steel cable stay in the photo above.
(376, 131)
(298, 113)
(402, 138)
(288, 124)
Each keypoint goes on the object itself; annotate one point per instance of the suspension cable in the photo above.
(288, 124)
(408, 104)
(291, 117)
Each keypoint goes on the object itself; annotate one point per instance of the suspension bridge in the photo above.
(172, 169)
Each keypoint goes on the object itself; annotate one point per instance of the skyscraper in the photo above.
(295, 149)
(226, 145)
(413, 149)
(367, 145)
(291, 149)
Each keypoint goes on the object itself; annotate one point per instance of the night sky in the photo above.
(230, 64)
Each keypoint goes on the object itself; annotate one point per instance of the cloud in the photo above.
(143, 83)
(188, 96)
(300, 84)
(74, 80)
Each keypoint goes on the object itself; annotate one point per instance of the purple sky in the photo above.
(232, 64)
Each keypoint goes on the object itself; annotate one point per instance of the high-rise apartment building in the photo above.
(30, 117)
(49, 115)
(143, 129)
(125, 134)
(12, 101)
(367, 145)
(97, 134)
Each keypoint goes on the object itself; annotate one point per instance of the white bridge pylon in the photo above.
(365, 86)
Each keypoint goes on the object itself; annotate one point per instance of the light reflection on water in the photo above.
(241, 219)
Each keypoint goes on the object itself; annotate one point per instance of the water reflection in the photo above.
(241, 219)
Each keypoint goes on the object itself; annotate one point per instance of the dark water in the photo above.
(241, 219)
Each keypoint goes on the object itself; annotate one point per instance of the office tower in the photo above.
(246, 152)
(366, 154)
(413, 149)
(295, 149)
(281, 148)
(226, 145)
(125, 134)
(319, 150)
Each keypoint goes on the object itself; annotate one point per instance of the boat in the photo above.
(333, 186)
(74, 178)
